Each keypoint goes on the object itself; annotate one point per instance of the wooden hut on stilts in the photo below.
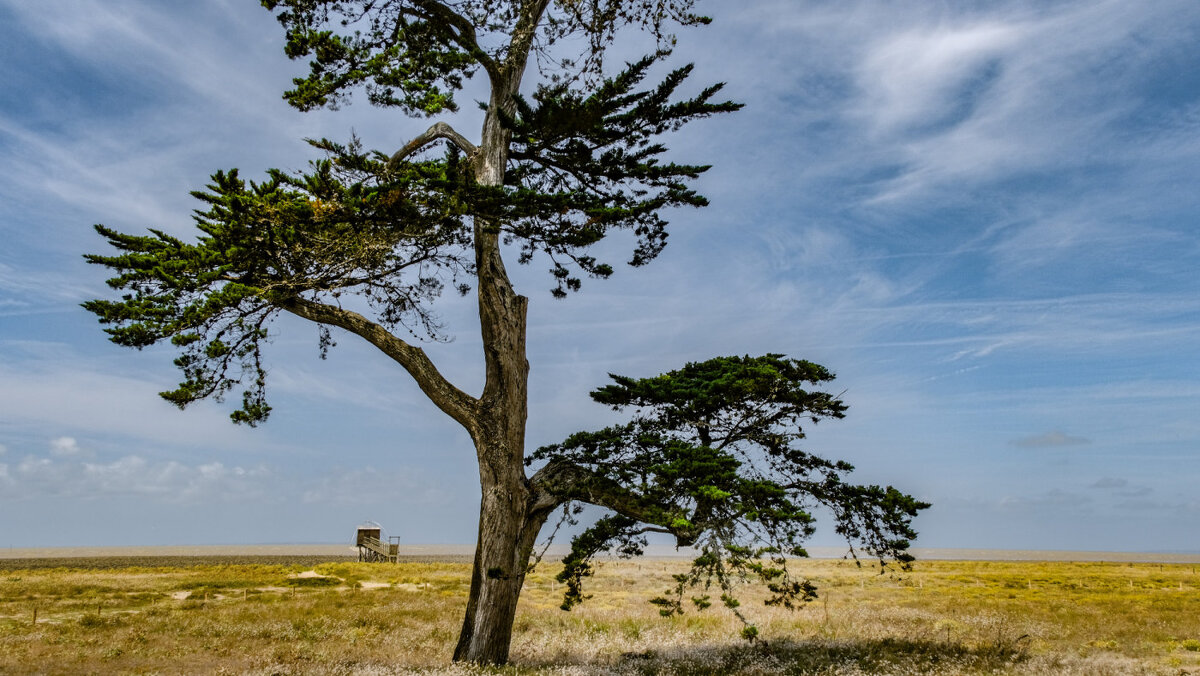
(371, 547)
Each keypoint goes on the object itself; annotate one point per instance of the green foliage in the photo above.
(364, 232)
(710, 457)
(416, 54)
(586, 162)
(351, 225)
(602, 534)
(402, 58)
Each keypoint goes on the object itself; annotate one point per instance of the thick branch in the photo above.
(524, 33)
(441, 130)
(453, 401)
(562, 481)
(464, 34)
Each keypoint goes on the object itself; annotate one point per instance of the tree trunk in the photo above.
(508, 522)
(496, 578)
(507, 531)
(499, 436)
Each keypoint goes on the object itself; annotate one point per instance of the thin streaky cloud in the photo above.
(1053, 439)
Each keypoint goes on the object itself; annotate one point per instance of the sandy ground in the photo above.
(460, 552)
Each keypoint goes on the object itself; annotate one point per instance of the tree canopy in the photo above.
(395, 231)
(710, 456)
(416, 54)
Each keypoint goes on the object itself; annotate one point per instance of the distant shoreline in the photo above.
(465, 552)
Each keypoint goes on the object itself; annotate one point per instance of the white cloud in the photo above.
(171, 481)
(64, 447)
(3, 449)
(133, 475)
(942, 98)
(913, 78)
(31, 465)
(1051, 439)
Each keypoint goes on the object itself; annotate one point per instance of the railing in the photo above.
(388, 550)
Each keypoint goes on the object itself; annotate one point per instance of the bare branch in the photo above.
(651, 529)
(441, 130)
(453, 401)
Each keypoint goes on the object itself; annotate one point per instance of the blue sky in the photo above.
(982, 216)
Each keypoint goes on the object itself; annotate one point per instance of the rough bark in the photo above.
(507, 525)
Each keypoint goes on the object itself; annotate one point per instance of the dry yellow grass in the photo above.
(942, 618)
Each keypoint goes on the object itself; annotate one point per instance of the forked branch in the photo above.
(440, 130)
(464, 34)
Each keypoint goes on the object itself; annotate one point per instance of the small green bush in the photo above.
(312, 582)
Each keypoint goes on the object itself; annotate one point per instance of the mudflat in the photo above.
(200, 555)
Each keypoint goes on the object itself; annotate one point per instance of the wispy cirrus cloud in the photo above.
(50, 388)
(135, 39)
(931, 77)
(965, 106)
(980, 96)
(1054, 439)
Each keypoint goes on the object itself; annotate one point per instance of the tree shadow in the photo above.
(826, 656)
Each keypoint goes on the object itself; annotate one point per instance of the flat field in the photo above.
(321, 615)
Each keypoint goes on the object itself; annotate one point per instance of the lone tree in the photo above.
(366, 241)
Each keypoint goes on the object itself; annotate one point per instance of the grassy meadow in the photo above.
(239, 616)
